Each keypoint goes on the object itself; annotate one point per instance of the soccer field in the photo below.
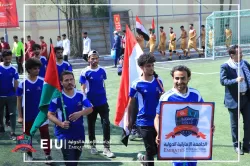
(205, 78)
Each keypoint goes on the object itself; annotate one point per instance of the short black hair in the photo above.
(203, 26)
(180, 68)
(171, 28)
(2, 38)
(15, 37)
(161, 27)
(145, 58)
(124, 31)
(59, 36)
(232, 49)
(6, 53)
(64, 35)
(31, 63)
(191, 25)
(85, 33)
(58, 48)
(28, 36)
(182, 26)
(66, 72)
(227, 25)
(150, 29)
(41, 37)
(35, 46)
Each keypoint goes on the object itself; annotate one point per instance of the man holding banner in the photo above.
(148, 89)
(180, 93)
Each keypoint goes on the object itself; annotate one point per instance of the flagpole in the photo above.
(63, 107)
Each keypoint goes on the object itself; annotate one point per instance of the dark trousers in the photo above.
(19, 61)
(245, 111)
(10, 102)
(148, 134)
(7, 114)
(44, 133)
(103, 111)
(117, 56)
(85, 57)
(65, 58)
(71, 153)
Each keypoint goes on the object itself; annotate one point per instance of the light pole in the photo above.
(58, 15)
(133, 22)
(110, 25)
(157, 21)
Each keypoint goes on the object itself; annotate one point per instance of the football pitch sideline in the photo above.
(205, 78)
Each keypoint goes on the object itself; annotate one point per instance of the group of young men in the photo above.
(188, 40)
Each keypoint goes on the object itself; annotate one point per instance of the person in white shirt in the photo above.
(86, 46)
(59, 42)
(66, 47)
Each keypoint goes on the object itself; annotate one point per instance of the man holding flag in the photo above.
(69, 123)
(148, 89)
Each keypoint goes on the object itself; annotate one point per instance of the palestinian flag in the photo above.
(130, 72)
(51, 89)
(153, 25)
(140, 29)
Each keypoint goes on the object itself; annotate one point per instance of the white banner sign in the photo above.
(186, 131)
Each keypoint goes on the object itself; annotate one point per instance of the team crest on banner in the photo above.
(186, 121)
(185, 131)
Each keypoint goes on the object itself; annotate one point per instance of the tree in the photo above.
(73, 14)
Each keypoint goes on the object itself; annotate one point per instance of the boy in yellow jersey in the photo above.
(228, 34)
(203, 37)
(211, 38)
(162, 44)
(140, 41)
(152, 41)
(172, 44)
(183, 38)
(192, 41)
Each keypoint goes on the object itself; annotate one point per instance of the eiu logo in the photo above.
(186, 121)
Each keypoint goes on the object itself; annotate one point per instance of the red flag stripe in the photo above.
(51, 71)
(123, 96)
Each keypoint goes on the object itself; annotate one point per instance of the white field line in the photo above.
(193, 72)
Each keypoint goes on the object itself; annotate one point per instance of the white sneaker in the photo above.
(108, 153)
(93, 150)
(28, 157)
(132, 137)
(141, 158)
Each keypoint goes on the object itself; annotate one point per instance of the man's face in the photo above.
(15, 39)
(59, 54)
(238, 56)
(68, 82)
(181, 80)
(170, 30)
(64, 37)
(7, 60)
(41, 40)
(93, 60)
(2, 40)
(37, 51)
(34, 71)
(203, 28)
(161, 30)
(148, 69)
(190, 26)
(58, 38)
(182, 29)
(84, 35)
(28, 38)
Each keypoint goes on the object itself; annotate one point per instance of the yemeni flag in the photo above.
(51, 89)
(153, 25)
(130, 72)
(140, 29)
